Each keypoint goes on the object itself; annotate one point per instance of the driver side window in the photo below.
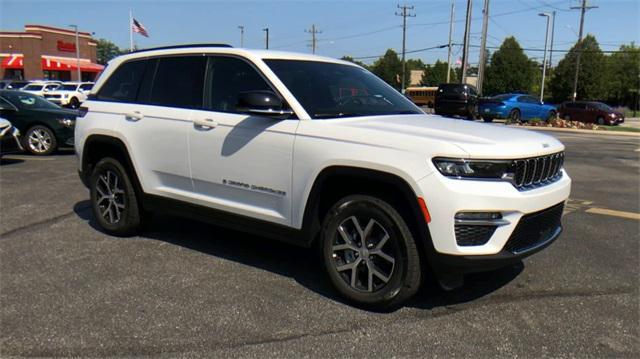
(228, 77)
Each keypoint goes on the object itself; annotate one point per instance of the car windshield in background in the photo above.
(67, 88)
(33, 87)
(86, 87)
(27, 101)
(602, 106)
(328, 90)
(501, 97)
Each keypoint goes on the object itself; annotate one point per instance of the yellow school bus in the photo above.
(422, 96)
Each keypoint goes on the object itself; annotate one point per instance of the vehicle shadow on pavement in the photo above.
(9, 161)
(301, 264)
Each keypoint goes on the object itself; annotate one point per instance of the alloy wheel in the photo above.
(110, 199)
(364, 257)
(39, 140)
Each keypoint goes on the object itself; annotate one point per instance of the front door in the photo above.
(240, 163)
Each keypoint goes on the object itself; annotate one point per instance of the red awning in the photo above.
(69, 65)
(12, 62)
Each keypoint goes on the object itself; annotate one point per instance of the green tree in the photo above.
(510, 70)
(592, 78)
(623, 75)
(389, 68)
(436, 74)
(351, 59)
(107, 50)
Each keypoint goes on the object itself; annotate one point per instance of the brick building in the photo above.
(44, 52)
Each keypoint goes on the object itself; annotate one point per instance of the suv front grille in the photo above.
(537, 171)
(535, 229)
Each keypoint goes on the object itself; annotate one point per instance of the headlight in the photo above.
(67, 122)
(612, 114)
(485, 169)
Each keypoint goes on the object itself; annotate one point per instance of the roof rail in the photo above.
(184, 46)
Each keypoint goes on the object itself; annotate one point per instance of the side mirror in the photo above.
(262, 103)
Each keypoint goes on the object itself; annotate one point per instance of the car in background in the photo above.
(12, 84)
(45, 126)
(422, 96)
(590, 112)
(9, 138)
(70, 94)
(516, 107)
(40, 88)
(456, 100)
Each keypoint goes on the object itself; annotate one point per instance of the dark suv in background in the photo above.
(590, 112)
(456, 100)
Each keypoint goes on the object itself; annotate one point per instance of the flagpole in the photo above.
(131, 29)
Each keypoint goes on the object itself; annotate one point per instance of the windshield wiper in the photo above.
(335, 115)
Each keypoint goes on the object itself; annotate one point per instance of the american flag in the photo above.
(136, 26)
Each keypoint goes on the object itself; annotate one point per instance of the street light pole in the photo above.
(544, 61)
(266, 29)
(241, 35)
(79, 73)
(453, 10)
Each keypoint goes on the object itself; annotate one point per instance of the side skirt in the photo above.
(220, 218)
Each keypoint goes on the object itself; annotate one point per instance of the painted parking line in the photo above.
(614, 213)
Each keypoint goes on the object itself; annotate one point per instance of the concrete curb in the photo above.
(575, 130)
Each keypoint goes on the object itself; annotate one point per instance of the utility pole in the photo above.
(79, 73)
(553, 29)
(453, 11)
(404, 13)
(465, 49)
(241, 27)
(483, 46)
(313, 33)
(544, 61)
(583, 9)
(266, 30)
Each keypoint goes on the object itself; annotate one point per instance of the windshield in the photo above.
(602, 106)
(27, 101)
(328, 90)
(67, 88)
(33, 87)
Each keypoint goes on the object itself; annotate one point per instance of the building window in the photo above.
(14, 74)
(57, 75)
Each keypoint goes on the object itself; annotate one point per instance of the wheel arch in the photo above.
(98, 146)
(337, 181)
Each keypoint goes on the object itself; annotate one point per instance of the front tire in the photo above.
(40, 141)
(601, 121)
(369, 252)
(551, 116)
(74, 103)
(113, 199)
(514, 116)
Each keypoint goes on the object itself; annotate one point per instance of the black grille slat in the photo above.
(473, 235)
(534, 229)
(536, 171)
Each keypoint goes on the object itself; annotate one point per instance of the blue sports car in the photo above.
(516, 107)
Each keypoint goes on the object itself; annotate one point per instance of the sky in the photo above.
(354, 28)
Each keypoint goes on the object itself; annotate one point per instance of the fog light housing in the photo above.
(478, 216)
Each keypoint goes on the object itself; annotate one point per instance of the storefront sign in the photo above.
(66, 46)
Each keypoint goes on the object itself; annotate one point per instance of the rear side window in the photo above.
(179, 82)
(123, 84)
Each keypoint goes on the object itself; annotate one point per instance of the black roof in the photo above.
(183, 46)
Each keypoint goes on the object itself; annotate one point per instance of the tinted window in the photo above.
(328, 90)
(502, 97)
(452, 90)
(228, 77)
(86, 87)
(123, 84)
(25, 100)
(33, 87)
(68, 87)
(179, 82)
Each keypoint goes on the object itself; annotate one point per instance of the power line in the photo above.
(408, 52)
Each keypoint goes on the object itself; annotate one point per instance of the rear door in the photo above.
(157, 97)
(240, 163)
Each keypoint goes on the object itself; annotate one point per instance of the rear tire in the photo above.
(488, 119)
(567, 118)
(74, 103)
(113, 199)
(601, 121)
(369, 252)
(514, 116)
(551, 116)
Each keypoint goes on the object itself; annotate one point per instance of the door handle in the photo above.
(133, 116)
(205, 123)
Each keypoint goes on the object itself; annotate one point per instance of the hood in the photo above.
(477, 140)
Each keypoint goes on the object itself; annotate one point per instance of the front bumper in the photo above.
(445, 197)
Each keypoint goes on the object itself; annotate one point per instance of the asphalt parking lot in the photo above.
(184, 288)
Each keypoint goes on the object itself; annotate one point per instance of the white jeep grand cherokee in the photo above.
(316, 151)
